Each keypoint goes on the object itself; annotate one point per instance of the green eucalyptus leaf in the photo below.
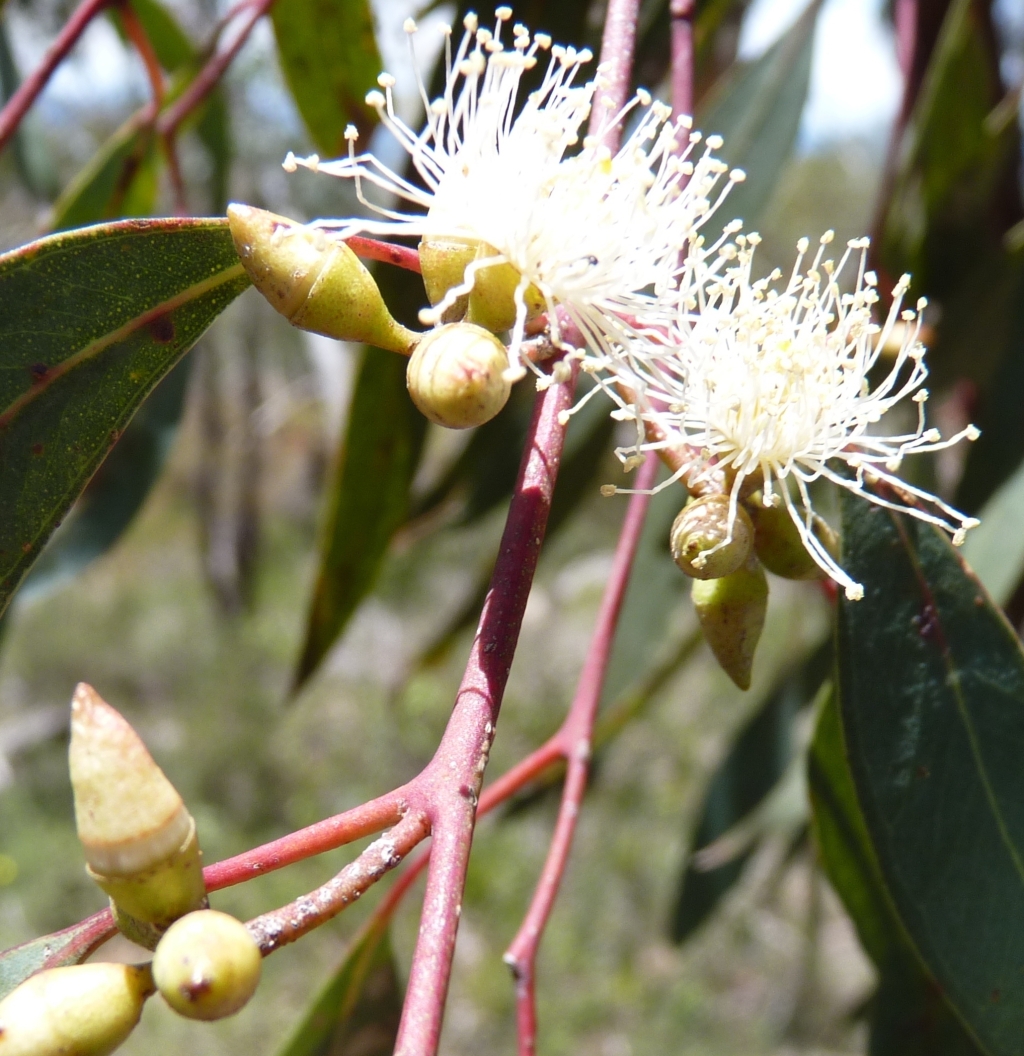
(357, 1013)
(329, 56)
(757, 109)
(92, 321)
(756, 762)
(934, 750)
(120, 180)
(368, 498)
(69, 946)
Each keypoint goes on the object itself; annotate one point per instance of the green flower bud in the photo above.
(703, 524)
(779, 546)
(492, 303)
(443, 263)
(731, 611)
(207, 966)
(457, 376)
(83, 1010)
(139, 840)
(314, 281)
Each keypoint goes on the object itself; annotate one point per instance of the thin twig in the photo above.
(281, 926)
(19, 103)
(387, 252)
(209, 76)
(574, 741)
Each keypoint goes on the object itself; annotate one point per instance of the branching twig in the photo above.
(19, 103)
(209, 76)
(574, 741)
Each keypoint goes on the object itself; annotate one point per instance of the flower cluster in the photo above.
(594, 233)
(757, 388)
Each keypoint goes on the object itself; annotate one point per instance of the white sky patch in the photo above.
(855, 80)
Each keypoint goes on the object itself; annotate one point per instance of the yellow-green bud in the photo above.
(492, 302)
(83, 1010)
(731, 611)
(779, 546)
(457, 376)
(443, 263)
(313, 280)
(139, 840)
(207, 966)
(703, 524)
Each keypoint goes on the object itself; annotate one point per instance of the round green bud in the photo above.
(704, 524)
(443, 263)
(207, 965)
(731, 611)
(457, 376)
(779, 546)
(82, 1010)
(492, 301)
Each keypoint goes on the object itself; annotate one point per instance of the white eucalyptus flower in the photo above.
(768, 386)
(596, 234)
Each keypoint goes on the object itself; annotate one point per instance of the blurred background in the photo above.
(181, 587)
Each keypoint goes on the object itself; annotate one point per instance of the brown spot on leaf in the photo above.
(26, 548)
(38, 372)
(37, 449)
(161, 329)
(996, 994)
(922, 771)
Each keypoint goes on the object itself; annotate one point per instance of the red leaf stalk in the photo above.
(681, 18)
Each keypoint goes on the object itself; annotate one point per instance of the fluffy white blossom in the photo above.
(596, 234)
(770, 388)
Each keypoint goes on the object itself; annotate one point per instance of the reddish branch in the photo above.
(19, 103)
(574, 743)
(681, 18)
(388, 252)
(455, 774)
(209, 76)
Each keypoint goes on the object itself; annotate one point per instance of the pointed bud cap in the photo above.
(778, 544)
(139, 839)
(457, 376)
(313, 280)
(492, 302)
(702, 525)
(443, 263)
(83, 1010)
(731, 611)
(207, 966)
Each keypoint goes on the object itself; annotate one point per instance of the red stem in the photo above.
(19, 103)
(387, 252)
(574, 742)
(208, 77)
(618, 43)
(455, 774)
(681, 17)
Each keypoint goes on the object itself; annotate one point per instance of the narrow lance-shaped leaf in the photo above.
(934, 749)
(69, 946)
(330, 60)
(908, 1014)
(368, 498)
(357, 1013)
(754, 765)
(757, 111)
(92, 320)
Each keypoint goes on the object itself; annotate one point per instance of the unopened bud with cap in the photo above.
(492, 301)
(82, 1010)
(140, 841)
(731, 611)
(705, 542)
(207, 966)
(778, 544)
(315, 281)
(457, 375)
(443, 263)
